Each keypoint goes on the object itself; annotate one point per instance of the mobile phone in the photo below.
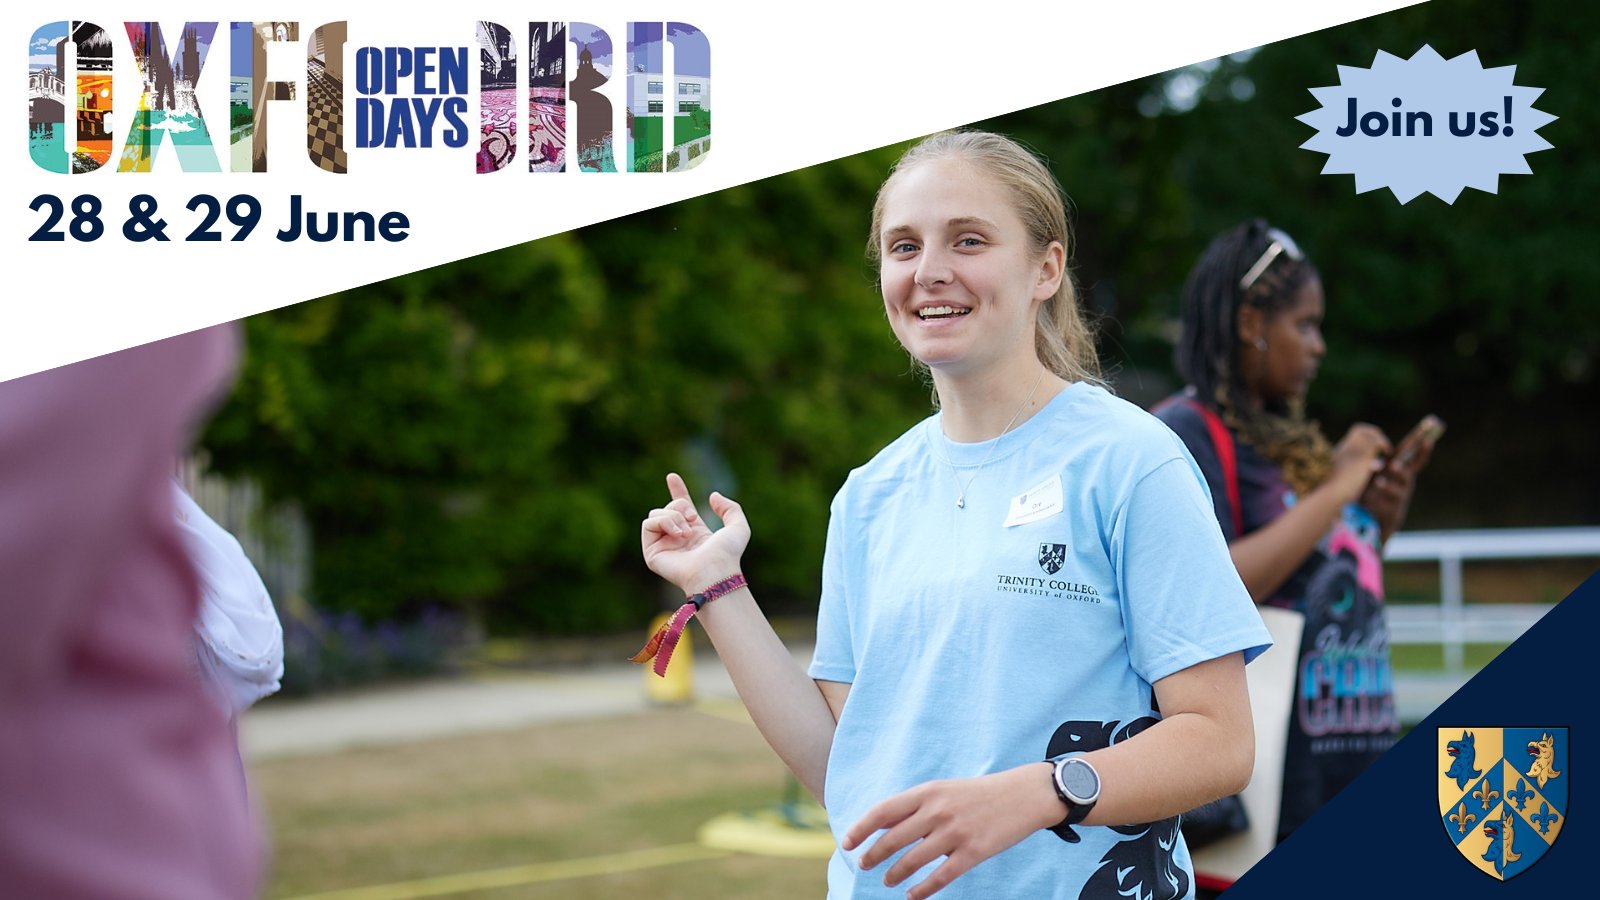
(1426, 433)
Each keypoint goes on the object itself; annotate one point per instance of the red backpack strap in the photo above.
(1222, 441)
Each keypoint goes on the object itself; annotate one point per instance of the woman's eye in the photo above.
(970, 242)
(903, 247)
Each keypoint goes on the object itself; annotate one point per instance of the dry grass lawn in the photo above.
(538, 795)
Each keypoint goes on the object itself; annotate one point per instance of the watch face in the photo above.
(1080, 782)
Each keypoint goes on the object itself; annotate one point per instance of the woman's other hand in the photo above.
(1359, 454)
(680, 547)
(1387, 497)
(964, 820)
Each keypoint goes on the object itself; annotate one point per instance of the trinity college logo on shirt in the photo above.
(1051, 557)
(1502, 794)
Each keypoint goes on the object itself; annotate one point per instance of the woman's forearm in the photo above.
(785, 703)
(1179, 763)
(1267, 556)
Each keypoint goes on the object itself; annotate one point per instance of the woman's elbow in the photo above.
(1239, 756)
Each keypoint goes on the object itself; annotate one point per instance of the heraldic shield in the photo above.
(1503, 794)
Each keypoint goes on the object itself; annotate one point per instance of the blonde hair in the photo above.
(1062, 339)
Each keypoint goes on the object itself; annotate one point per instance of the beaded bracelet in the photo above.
(665, 640)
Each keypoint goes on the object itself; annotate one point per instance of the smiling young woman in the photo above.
(1031, 640)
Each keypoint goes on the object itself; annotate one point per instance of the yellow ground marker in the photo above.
(534, 873)
(801, 833)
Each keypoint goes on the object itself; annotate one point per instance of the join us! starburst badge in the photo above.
(1503, 794)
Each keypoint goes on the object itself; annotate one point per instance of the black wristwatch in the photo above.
(1078, 785)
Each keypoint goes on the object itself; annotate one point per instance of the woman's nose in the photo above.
(932, 269)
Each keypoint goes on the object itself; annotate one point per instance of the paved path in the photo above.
(504, 701)
(468, 705)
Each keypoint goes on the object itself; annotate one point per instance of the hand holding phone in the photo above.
(1419, 443)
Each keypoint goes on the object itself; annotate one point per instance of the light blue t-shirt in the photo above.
(974, 646)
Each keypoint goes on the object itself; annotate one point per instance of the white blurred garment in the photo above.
(239, 639)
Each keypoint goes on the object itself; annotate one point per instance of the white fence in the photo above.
(277, 541)
(1453, 622)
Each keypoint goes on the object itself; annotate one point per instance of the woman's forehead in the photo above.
(1304, 300)
(946, 193)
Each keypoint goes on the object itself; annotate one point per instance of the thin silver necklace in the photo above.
(961, 498)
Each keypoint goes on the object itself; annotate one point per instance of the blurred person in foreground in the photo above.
(1305, 519)
(118, 777)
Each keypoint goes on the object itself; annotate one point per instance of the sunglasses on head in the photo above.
(1278, 244)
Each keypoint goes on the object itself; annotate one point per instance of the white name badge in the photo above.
(1041, 501)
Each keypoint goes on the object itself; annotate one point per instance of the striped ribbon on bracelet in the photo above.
(665, 640)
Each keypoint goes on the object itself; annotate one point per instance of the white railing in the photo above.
(277, 541)
(1453, 623)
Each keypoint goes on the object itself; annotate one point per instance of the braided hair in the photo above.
(1208, 351)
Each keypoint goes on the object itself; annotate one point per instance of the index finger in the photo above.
(1378, 438)
(885, 815)
(676, 487)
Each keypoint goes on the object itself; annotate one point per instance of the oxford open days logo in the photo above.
(391, 97)
(1426, 124)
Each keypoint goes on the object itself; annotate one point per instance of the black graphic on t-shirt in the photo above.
(1141, 865)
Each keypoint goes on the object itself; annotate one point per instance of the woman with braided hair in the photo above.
(1304, 519)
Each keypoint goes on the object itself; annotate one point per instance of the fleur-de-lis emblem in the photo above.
(1485, 794)
(1544, 818)
(1521, 795)
(1463, 819)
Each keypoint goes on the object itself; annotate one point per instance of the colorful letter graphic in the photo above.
(647, 97)
(669, 113)
(250, 90)
(593, 108)
(497, 97)
(168, 104)
(547, 97)
(691, 135)
(325, 105)
(48, 75)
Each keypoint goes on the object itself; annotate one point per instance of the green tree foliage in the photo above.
(1482, 311)
(488, 434)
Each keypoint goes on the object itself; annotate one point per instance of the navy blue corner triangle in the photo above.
(1381, 836)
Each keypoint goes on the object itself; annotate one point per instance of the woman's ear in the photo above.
(1052, 268)
(1252, 325)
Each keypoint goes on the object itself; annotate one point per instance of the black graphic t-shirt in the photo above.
(1344, 713)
